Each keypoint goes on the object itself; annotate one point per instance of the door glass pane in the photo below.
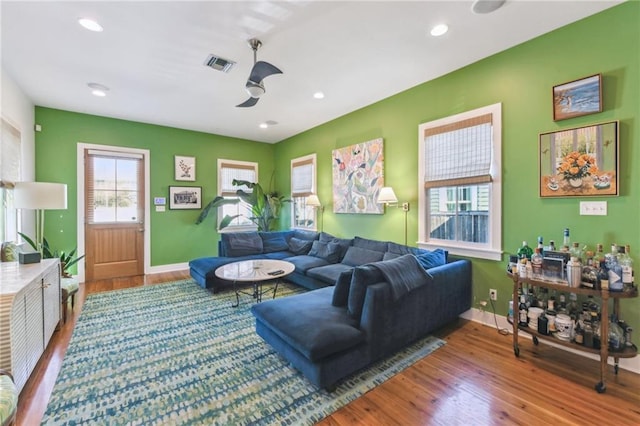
(115, 182)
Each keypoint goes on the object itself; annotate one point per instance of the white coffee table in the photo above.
(256, 272)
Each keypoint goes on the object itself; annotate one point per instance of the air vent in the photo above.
(218, 63)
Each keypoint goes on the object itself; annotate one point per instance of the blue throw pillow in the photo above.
(431, 259)
(298, 246)
(273, 241)
(341, 290)
(327, 251)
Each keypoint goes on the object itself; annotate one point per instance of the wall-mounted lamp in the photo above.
(388, 197)
(314, 201)
(40, 196)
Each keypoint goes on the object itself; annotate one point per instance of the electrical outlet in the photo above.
(493, 294)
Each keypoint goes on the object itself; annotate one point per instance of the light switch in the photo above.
(160, 208)
(593, 208)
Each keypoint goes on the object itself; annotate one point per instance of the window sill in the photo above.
(480, 253)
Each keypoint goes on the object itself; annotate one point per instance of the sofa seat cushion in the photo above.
(310, 323)
(329, 273)
(304, 262)
(278, 255)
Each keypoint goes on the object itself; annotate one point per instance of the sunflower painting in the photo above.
(358, 176)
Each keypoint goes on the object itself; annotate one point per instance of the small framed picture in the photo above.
(577, 98)
(185, 168)
(185, 197)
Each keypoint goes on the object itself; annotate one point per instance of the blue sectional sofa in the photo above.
(369, 298)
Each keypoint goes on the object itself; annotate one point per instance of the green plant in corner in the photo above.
(265, 206)
(67, 260)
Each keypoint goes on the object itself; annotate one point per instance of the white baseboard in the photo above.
(167, 268)
(487, 318)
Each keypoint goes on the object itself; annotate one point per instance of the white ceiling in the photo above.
(151, 55)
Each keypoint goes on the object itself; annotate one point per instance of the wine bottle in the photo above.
(522, 312)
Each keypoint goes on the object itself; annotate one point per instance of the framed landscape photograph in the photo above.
(185, 197)
(185, 168)
(577, 98)
(580, 162)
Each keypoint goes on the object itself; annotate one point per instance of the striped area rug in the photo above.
(177, 354)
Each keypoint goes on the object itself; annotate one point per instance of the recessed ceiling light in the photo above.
(98, 89)
(264, 125)
(439, 30)
(318, 95)
(90, 24)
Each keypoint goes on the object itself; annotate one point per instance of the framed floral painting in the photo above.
(582, 161)
(358, 176)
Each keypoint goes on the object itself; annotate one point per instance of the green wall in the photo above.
(174, 236)
(521, 79)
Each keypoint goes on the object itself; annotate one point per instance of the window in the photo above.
(460, 173)
(112, 187)
(228, 170)
(303, 184)
(10, 159)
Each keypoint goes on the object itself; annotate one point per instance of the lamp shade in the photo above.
(313, 201)
(40, 196)
(387, 195)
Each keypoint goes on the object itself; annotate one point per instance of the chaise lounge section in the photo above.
(372, 312)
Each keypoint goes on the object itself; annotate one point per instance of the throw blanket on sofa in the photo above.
(403, 274)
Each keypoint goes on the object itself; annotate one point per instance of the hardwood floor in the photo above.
(475, 379)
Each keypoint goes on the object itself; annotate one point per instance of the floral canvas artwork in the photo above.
(580, 162)
(358, 176)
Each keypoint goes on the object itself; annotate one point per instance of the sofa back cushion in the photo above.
(327, 251)
(341, 290)
(344, 243)
(363, 276)
(305, 235)
(298, 246)
(274, 241)
(241, 243)
(400, 249)
(368, 244)
(357, 256)
(390, 255)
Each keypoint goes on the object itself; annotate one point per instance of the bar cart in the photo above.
(604, 295)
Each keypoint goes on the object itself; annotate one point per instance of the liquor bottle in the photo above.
(522, 312)
(576, 251)
(525, 251)
(552, 245)
(566, 240)
(627, 267)
(599, 254)
(603, 276)
(536, 263)
(615, 270)
(541, 245)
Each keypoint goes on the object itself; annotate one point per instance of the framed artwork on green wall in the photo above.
(582, 161)
(185, 197)
(577, 98)
(185, 168)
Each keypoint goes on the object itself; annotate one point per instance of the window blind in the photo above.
(230, 171)
(9, 155)
(459, 153)
(302, 178)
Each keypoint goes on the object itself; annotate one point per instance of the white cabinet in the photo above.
(29, 314)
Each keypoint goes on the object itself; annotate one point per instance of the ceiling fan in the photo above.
(259, 72)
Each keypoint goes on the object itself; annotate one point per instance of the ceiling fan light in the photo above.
(254, 90)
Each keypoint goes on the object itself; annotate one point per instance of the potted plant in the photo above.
(265, 207)
(67, 260)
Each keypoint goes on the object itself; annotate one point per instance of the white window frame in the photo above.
(10, 173)
(311, 190)
(491, 250)
(235, 228)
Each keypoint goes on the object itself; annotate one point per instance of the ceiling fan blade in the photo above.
(261, 70)
(248, 103)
